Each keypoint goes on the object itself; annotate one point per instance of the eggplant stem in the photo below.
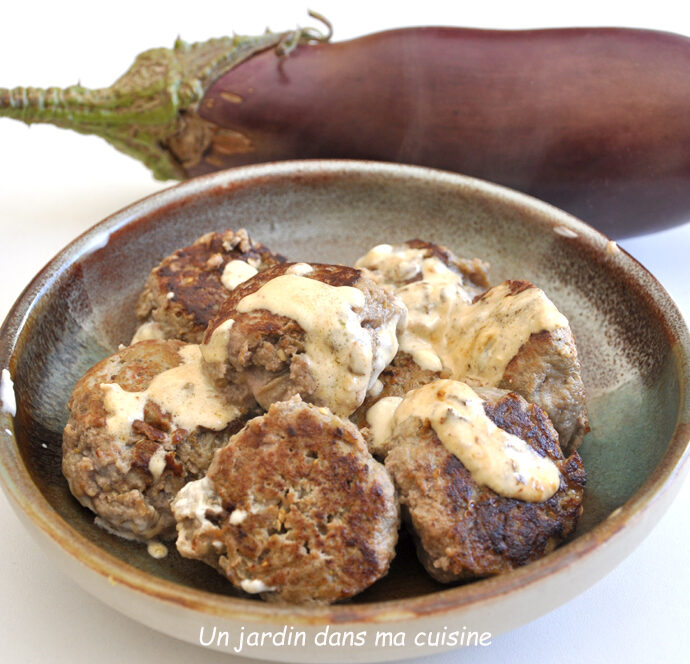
(316, 34)
(307, 35)
(146, 112)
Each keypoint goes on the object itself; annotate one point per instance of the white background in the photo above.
(54, 185)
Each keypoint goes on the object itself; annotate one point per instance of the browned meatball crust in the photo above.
(294, 508)
(264, 354)
(116, 478)
(184, 291)
(464, 530)
(546, 371)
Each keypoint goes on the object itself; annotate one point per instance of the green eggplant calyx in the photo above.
(149, 113)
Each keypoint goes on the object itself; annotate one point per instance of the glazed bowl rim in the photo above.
(27, 499)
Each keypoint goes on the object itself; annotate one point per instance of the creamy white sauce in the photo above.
(235, 272)
(429, 307)
(495, 458)
(122, 409)
(237, 516)
(146, 331)
(157, 550)
(254, 586)
(392, 265)
(185, 392)
(401, 264)
(445, 331)
(7, 395)
(385, 340)
(375, 389)
(216, 350)
(300, 269)
(157, 463)
(380, 420)
(430, 300)
(344, 358)
(481, 339)
(194, 502)
(197, 499)
(214, 261)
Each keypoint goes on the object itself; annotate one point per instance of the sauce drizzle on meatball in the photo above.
(338, 348)
(494, 457)
(185, 392)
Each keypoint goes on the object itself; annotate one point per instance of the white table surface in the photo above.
(54, 185)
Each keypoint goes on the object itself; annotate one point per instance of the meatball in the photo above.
(293, 508)
(546, 371)
(513, 337)
(142, 423)
(184, 292)
(464, 529)
(324, 332)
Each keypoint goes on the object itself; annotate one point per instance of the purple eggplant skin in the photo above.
(593, 120)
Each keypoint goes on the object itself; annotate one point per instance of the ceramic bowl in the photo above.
(632, 341)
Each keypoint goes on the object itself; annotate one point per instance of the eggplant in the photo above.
(592, 120)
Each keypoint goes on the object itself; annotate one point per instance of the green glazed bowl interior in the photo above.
(632, 343)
